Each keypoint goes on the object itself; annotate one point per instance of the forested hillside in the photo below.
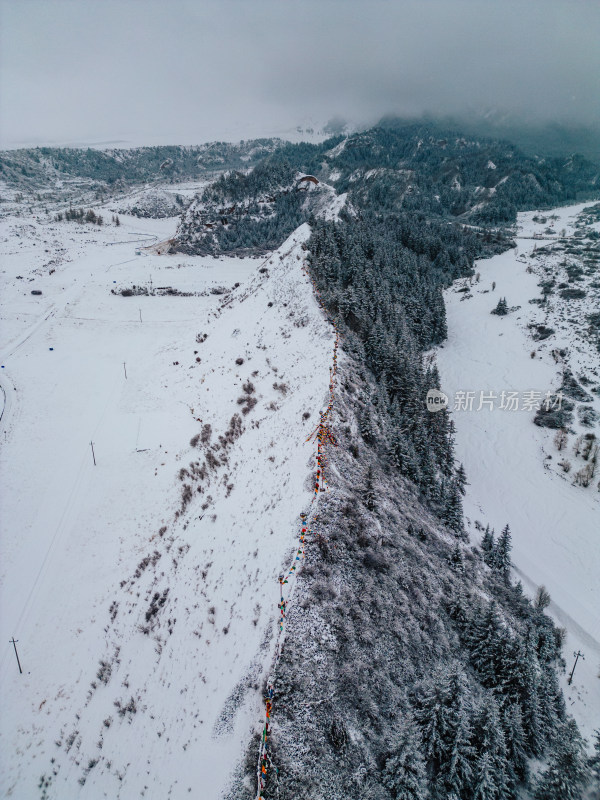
(40, 167)
(413, 666)
(444, 173)
(423, 171)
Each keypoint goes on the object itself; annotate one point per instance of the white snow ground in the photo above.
(84, 565)
(511, 464)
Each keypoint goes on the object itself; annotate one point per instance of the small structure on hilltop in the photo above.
(303, 182)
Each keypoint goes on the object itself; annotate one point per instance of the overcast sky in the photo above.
(172, 71)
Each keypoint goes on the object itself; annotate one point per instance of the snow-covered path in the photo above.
(145, 619)
(555, 525)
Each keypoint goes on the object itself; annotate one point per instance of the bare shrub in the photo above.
(157, 602)
(104, 672)
(212, 461)
(206, 433)
(585, 475)
(250, 403)
(561, 439)
(130, 708)
(186, 496)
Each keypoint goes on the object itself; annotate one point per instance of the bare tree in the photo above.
(561, 439)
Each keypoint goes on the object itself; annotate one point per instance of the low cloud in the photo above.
(150, 72)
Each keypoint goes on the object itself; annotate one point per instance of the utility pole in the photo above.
(93, 454)
(125, 368)
(140, 310)
(14, 644)
(577, 655)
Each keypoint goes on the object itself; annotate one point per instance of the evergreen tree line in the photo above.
(463, 730)
(234, 187)
(80, 215)
(455, 747)
(382, 279)
(410, 670)
(496, 554)
(139, 164)
(439, 171)
(411, 172)
(254, 228)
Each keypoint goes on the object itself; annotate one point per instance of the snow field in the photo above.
(555, 525)
(144, 650)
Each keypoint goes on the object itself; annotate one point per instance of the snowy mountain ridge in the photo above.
(146, 526)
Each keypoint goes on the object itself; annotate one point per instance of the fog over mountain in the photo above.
(184, 72)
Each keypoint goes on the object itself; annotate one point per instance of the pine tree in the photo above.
(366, 424)
(502, 553)
(551, 707)
(453, 511)
(567, 772)
(456, 559)
(491, 744)
(485, 644)
(458, 773)
(404, 456)
(461, 479)
(442, 713)
(528, 670)
(459, 609)
(516, 748)
(370, 494)
(594, 764)
(485, 787)
(404, 772)
(502, 307)
(487, 546)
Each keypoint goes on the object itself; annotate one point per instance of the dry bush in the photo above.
(206, 433)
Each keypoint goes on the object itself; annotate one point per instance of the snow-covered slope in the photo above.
(512, 465)
(143, 609)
